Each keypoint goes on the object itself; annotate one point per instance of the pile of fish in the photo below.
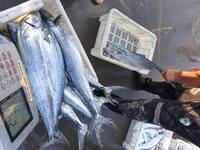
(150, 137)
(59, 81)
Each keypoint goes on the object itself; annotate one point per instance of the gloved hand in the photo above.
(195, 69)
(170, 75)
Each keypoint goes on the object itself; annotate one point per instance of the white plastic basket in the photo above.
(55, 8)
(137, 128)
(120, 30)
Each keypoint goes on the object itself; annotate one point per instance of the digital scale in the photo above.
(18, 112)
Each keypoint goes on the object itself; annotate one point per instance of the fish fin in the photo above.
(81, 136)
(58, 20)
(58, 138)
(96, 126)
(46, 15)
(61, 138)
(107, 92)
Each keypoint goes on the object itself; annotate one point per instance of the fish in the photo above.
(154, 143)
(74, 65)
(42, 58)
(74, 68)
(68, 112)
(132, 58)
(74, 100)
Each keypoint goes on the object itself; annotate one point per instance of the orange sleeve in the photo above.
(189, 78)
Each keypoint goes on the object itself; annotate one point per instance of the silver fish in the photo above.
(43, 61)
(68, 112)
(74, 65)
(76, 72)
(154, 143)
(74, 100)
(132, 58)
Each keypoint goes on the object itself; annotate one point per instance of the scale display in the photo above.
(15, 113)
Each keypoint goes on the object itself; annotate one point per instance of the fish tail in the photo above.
(81, 136)
(58, 138)
(96, 126)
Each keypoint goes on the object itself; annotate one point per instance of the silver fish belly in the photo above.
(74, 100)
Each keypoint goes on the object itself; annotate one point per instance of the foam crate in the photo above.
(120, 30)
(55, 8)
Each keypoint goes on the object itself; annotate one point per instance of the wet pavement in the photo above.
(177, 26)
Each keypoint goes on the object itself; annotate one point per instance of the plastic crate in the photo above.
(138, 128)
(118, 29)
(178, 144)
(55, 8)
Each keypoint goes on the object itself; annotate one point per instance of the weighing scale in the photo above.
(18, 111)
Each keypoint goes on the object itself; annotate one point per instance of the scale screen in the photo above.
(15, 113)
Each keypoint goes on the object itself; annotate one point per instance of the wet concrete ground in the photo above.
(177, 26)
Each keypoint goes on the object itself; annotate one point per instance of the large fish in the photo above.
(68, 112)
(42, 57)
(74, 65)
(74, 100)
(132, 58)
(75, 69)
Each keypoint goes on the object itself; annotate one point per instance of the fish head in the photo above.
(51, 21)
(33, 19)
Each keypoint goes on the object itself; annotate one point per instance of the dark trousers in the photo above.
(166, 111)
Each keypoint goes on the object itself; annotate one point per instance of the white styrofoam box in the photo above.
(137, 129)
(55, 8)
(120, 30)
